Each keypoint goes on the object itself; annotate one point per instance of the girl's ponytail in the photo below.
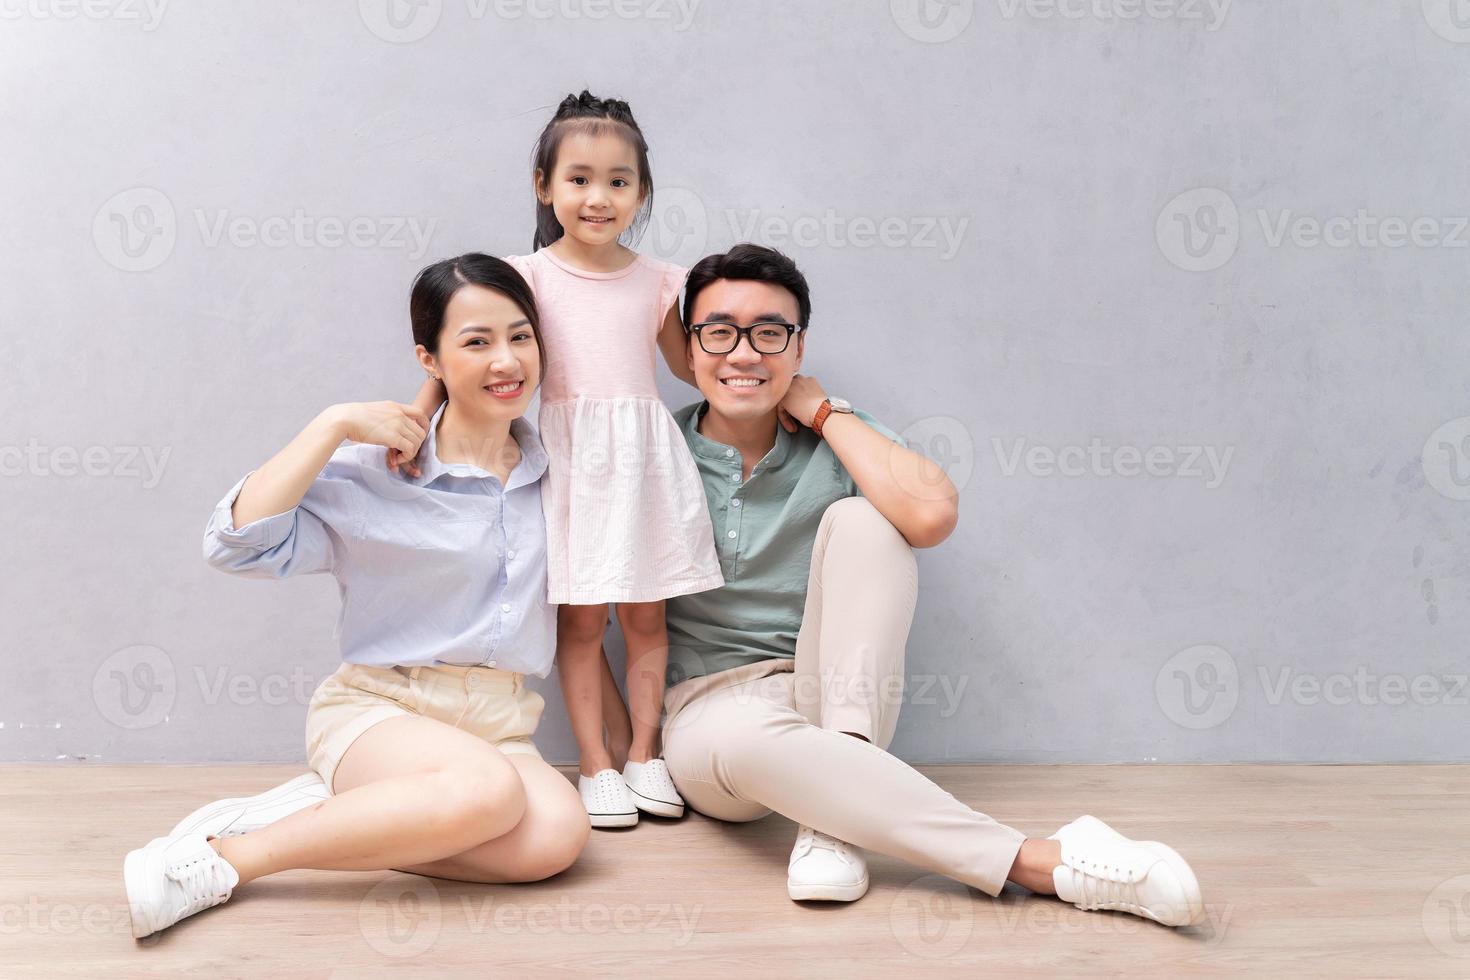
(586, 113)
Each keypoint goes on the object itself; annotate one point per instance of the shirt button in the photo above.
(505, 607)
(734, 477)
(510, 554)
(734, 501)
(729, 452)
(730, 534)
(492, 663)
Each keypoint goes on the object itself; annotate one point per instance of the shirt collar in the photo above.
(530, 468)
(710, 449)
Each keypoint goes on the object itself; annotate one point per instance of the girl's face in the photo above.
(488, 358)
(594, 187)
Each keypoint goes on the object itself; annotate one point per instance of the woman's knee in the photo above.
(558, 832)
(486, 801)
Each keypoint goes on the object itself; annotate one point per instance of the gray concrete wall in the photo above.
(1175, 290)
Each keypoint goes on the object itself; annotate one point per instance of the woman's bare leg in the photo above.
(546, 841)
(408, 791)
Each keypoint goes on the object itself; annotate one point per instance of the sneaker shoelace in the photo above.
(807, 838)
(1109, 887)
(203, 883)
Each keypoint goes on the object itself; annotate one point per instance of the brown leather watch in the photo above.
(828, 406)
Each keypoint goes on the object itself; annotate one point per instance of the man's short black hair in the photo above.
(751, 262)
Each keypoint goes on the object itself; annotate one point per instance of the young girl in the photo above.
(626, 518)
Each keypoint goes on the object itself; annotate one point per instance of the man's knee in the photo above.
(859, 515)
(857, 518)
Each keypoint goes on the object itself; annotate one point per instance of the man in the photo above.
(784, 685)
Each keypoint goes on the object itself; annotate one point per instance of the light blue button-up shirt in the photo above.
(445, 568)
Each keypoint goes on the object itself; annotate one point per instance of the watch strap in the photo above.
(823, 410)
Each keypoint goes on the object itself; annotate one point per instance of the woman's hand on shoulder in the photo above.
(398, 427)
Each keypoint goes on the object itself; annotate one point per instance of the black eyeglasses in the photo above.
(766, 336)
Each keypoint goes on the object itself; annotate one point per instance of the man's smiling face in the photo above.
(744, 384)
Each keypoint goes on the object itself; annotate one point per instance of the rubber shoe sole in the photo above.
(614, 819)
(658, 808)
(827, 893)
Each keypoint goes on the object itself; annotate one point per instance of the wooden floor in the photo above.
(1329, 870)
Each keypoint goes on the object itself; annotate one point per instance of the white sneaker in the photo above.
(606, 797)
(170, 878)
(1102, 869)
(653, 789)
(231, 818)
(825, 869)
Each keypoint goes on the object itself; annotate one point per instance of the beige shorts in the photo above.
(491, 704)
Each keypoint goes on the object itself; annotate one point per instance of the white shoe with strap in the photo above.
(825, 869)
(1102, 869)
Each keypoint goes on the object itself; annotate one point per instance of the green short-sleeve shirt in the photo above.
(764, 531)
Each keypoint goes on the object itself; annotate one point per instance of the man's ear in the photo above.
(800, 347)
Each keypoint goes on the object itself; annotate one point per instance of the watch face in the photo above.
(840, 404)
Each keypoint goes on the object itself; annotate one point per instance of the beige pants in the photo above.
(769, 736)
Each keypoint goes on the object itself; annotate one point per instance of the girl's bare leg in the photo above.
(579, 631)
(648, 658)
(615, 717)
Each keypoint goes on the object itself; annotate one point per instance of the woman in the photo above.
(423, 734)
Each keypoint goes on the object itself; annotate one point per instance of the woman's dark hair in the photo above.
(586, 113)
(750, 262)
(436, 285)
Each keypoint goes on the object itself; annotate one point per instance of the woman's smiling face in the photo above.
(594, 187)
(488, 357)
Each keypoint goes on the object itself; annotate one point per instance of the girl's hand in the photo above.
(390, 424)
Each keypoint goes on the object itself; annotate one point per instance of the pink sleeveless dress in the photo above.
(626, 518)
